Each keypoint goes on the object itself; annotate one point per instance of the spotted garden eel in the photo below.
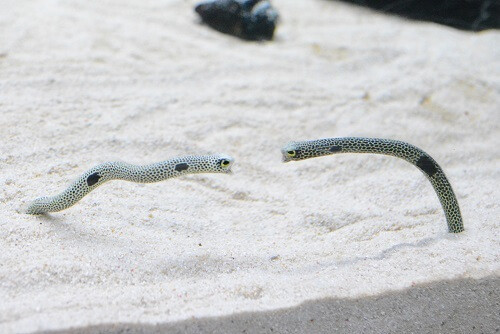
(315, 148)
(107, 171)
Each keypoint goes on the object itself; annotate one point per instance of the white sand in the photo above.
(348, 242)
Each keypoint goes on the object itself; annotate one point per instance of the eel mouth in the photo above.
(284, 152)
(228, 168)
(285, 158)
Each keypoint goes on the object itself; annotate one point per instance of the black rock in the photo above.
(472, 15)
(247, 19)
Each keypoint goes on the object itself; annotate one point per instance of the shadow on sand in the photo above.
(459, 306)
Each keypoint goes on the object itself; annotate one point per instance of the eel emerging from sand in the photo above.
(107, 171)
(315, 148)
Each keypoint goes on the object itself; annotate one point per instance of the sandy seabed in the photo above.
(340, 244)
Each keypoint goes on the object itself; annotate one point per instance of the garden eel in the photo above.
(314, 148)
(107, 171)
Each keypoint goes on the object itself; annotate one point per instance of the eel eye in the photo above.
(224, 163)
(291, 153)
